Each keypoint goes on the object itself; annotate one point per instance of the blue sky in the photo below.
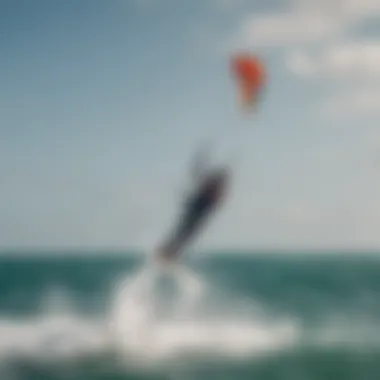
(103, 103)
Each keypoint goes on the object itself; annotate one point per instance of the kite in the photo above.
(249, 73)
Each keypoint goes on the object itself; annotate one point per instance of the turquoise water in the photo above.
(263, 316)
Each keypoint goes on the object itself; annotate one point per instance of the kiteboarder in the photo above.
(210, 188)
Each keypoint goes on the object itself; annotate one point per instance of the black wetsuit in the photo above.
(196, 211)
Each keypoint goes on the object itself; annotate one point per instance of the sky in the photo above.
(104, 103)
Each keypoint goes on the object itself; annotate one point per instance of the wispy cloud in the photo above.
(352, 60)
(305, 22)
(285, 29)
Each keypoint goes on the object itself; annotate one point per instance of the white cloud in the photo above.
(354, 60)
(359, 9)
(288, 28)
(305, 22)
(355, 64)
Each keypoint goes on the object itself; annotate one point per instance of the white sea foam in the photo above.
(189, 327)
(147, 323)
(170, 317)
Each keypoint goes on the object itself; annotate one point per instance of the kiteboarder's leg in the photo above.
(189, 225)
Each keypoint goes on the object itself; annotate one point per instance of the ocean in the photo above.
(231, 316)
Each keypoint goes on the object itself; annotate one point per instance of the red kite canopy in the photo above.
(250, 75)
